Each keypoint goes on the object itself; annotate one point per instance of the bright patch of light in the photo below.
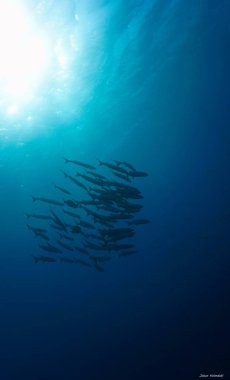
(24, 55)
(12, 110)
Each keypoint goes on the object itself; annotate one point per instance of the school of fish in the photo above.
(93, 218)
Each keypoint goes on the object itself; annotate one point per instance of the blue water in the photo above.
(149, 86)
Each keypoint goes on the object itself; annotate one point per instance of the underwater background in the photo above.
(146, 82)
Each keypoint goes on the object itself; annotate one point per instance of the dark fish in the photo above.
(74, 180)
(96, 175)
(113, 167)
(124, 186)
(47, 200)
(82, 250)
(86, 225)
(103, 222)
(43, 236)
(56, 227)
(95, 181)
(130, 195)
(89, 203)
(71, 204)
(84, 234)
(95, 190)
(63, 245)
(57, 220)
(96, 247)
(131, 206)
(121, 237)
(62, 189)
(126, 178)
(100, 259)
(116, 231)
(44, 259)
(121, 216)
(138, 221)
(50, 248)
(36, 229)
(72, 214)
(76, 229)
(137, 174)
(62, 236)
(79, 163)
(108, 207)
(38, 216)
(118, 247)
(124, 163)
(97, 237)
(94, 214)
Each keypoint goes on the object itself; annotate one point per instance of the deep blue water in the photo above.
(151, 87)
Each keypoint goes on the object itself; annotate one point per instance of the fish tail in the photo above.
(34, 198)
(27, 215)
(100, 162)
(66, 160)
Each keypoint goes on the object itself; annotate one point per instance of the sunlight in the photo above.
(24, 54)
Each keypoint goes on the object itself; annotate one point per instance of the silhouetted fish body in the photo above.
(38, 216)
(66, 260)
(139, 221)
(63, 236)
(63, 245)
(57, 220)
(71, 214)
(82, 250)
(50, 248)
(71, 203)
(74, 180)
(42, 236)
(86, 225)
(47, 200)
(137, 174)
(87, 166)
(95, 181)
(96, 175)
(124, 177)
(124, 163)
(62, 190)
(113, 167)
(36, 229)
